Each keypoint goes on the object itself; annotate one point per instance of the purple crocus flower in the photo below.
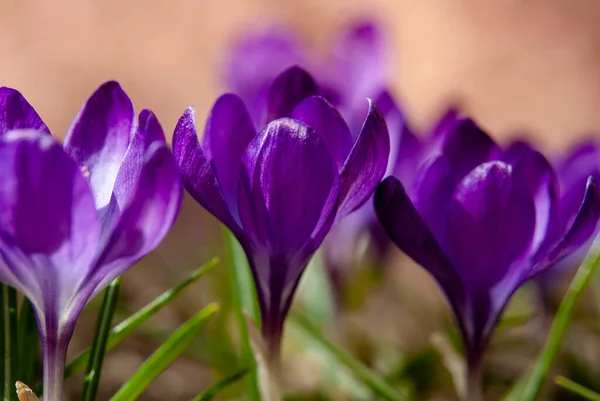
(280, 190)
(76, 216)
(357, 55)
(482, 221)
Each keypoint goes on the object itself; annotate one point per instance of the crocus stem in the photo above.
(474, 378)
(272, 333)
(54, 355)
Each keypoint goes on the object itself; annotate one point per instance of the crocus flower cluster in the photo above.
(75, 216)
(282, 163)
(483, 220)
(280, 190)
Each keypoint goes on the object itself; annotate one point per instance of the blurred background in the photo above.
(520, 67)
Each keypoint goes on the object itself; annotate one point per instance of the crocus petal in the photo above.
(320, 115)
(366, 163)
(228, 132)
(464, 147)
(287, 90)
(410, 233)
(148, 134)
(579, 163)
(146, 220)
(99, 138)
(537, 177)
(585, 224)
(285, 161)
(490, 223)
(198, 176)
(49, 226)
(405, 147)
(17, 113)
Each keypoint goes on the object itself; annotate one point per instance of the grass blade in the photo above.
(374, 381)
(105, 317)
(219, 386)
(10, 343)
(532, 387)
(245, 303)
(577, 388)
(164, 355)
(29, 343)
(126, 327)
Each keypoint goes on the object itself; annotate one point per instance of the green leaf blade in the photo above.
(29, 343)
(219, 386)
(577, 388)
(374, 381)
(98, 350)
(10, 341)
(245, 304)
(164, 356)
(530, 388)
(126, 327)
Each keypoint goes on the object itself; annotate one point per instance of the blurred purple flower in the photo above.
(341, 245)
(358, 56)
(281, 190)
(482, 221)
(573, 170)
(75, 217)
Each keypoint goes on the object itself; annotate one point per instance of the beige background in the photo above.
(514, 64)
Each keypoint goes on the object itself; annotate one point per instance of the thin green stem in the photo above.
(559, 327)
(94, 368)
(10, 345)
(29, 343)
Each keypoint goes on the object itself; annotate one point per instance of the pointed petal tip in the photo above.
(17, 113)
(287, 90)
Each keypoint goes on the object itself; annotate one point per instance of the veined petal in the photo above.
(579, 163)
(410, 233)
(145, 221)
(405, 147)
(317, 113)
(287, 90)
(579, 232)
(228, 132)
(490, 224)
(366, 164)
(198, 176)
(464, 147)
(538, 177)
(48, 222)
(286, 161)
(148, 134)
(99, 138)
(17, 113)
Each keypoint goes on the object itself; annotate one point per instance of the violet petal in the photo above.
(99, 138)
(366, 163)
(17, 113)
